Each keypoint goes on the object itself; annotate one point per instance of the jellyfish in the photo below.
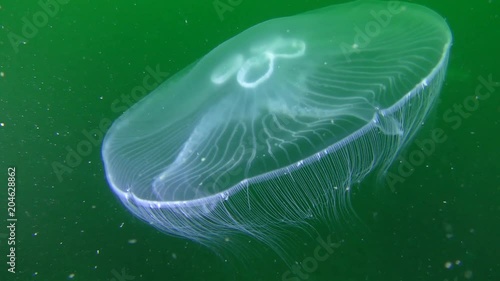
(268, 132)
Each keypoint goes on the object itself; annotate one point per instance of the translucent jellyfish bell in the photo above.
(268, 131)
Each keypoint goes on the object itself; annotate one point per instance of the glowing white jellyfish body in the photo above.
(267, 132)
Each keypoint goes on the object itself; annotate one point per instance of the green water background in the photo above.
(61, 83)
